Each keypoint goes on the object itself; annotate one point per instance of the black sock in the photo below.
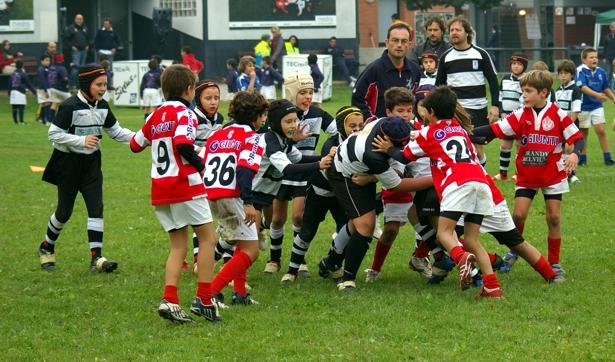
(355, 252)
(20, 110)
(14, 110)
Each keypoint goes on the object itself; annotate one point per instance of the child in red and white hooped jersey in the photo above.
(460, 182)
(542, 128)
(178, 193)
(232, 159)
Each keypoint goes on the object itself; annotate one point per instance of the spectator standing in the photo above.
(466, 68)
(7, 58)
(318, 78)
(494, 42)
(231, 77)
(392, 69)
(51, 50)
(340, 61)
(277, 47)
(292, 45)
(609, 52)
(106, 41)
(77, 38)
(262, 49)
(268, 76)
(189, 60)
(435, 29)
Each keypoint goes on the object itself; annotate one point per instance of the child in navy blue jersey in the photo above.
(150, 88)
(17, 92)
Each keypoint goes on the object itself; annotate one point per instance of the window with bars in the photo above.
(180, 8)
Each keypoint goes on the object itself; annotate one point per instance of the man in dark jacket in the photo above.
(106, 41)
(392, 69)
(609, 52)
(346, 67)
(434, 29)
(76, 37)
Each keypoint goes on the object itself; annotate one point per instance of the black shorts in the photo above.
(479, 116)
(427, 203)
(355, 200)
(261, 200)
(289, 192)
(73, 170)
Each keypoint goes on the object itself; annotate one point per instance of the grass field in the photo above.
(75, 315)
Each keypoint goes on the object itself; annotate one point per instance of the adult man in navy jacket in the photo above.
(392, 69)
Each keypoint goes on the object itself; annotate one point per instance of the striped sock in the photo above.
(297, 255)
(95, 236)
(505, 155)
(275, 247)
(54, 227)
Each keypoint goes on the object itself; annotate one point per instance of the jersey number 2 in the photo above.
(462, 153)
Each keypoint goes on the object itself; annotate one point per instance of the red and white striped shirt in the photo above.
(540, 161)
(173, 178)
(226, 150)
(452, 155)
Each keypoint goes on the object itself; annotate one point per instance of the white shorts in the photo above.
(268, 91)
(57, 96)
(317, 97)
(472, 198)
(556, 189)
(591, 118)
(230, 216)
(17, 98)
(176, 216)
(500, 221)
(40, 96)
(397, 212)
(151, 97)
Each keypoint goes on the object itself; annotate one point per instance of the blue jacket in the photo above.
(58, 77)
(316, 76)
(151, 79)
(42, 76)
(596, 81)
(378, 76)
(269, 75)
(231, 80)
(106, 39)
(20, 81)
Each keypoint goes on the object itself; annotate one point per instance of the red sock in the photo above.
(239, 282)
(456, 254)
(203, 291)
(422, 250)
(240, 262)
(382, 250)
(491, 281)
(544, 268)
(554, 245)
(491, 258)
(520, 227)
(170, 294)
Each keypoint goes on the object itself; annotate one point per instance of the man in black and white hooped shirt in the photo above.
(465, 68)
(355, 156)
